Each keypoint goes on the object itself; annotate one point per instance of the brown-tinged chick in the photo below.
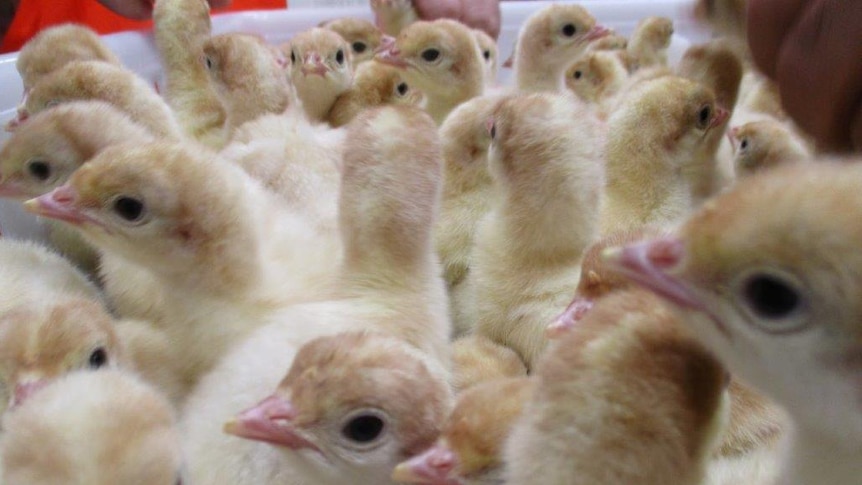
(596, 78)
(549, 40)
(648, 44)
(393, 16)
(443, 60)
(470, 448)
(760, 145)
(99, 428)
(774, 294)
(548, 174)
(627, 396)
(320, 68)
(374, 84)
(363, 36)
(477, 359)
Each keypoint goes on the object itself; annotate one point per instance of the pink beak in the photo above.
(646, 263)
(14, 123)
(24, 390)
(732, 136)
(721, 115)
(576, 310)
(392, 56)
(270, 421)
(58, 204)
(314, 65)
(597, 32)
(508, 63)
(433, 467)
(386, 43)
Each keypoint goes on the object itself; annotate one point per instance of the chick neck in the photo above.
(533, 72)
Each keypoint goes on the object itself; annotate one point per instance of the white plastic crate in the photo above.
(138, 52)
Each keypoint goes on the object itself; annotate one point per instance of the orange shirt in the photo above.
(35, 15)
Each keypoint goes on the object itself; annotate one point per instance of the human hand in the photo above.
(813, 50)
(143, 9)
(478, 14)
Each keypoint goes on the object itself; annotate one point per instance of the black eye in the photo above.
(339, 57)
(770, 298)
(493, 131)
(578, 74)
(359, 47)
(430, 55)
(744, 144)
(402, 89)
(569, 30)
(208, 62)
(292, 57)
(486, 54)
(363, 429)
(704, 116)
(39, 170)
(99, 358)
(129, 208)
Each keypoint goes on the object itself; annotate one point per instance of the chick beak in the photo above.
(270, 421)
(431, 468)
(646, 263)
(58, 204)
(24, 390)
(576, 310)
(597, 32)
(14, 123)
(392, 56)
(386, 43)
(314, 65)
(732, 136)
(721, 115)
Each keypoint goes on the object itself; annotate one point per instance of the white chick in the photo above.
(467, 193)
(374, 84)
(658, 128)
(627, 396)
(470, 448)
(477, 359)
(648, 44)
(363, 36)
(180, 28)
(98, 428)
(351, 407)
(321, 69)
(760, 145)
(767, 277)
(491, 55)
(550, 39)
(547, 169)
(389, 283)
(393, 16)
(96, 80)
(206, 231)
(247, 77)
(443, 60)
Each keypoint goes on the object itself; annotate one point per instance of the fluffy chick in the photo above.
(351, 407)
(726, 17)
(97, 428)
(547, 170)
(95, 80)
(44, 152)
(247, 76)
(759, 145)
(477, 359)
(491, 55)
(470, 448)
(374, 84)
(628, 369)
(655, 133)
(393, 16)
(466, 198)
(443, 60)
(389, 282)
(648, 44)
(38, 344)
(363, 36)
(321, 69)
(549, 40)
(597, 77)
(204, 229)
(774, 293)
(180, 28)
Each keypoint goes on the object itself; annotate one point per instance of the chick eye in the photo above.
(292, 57)
(743, 144)
(493, 131)
(359, 47)
(770, 297)
(486, 54)
(430, 55)
(703, 116)
(39, 170)
(208, 62)
(402, 89)
(363, 429)
(98, 359)
(339, 57)
(129, 208)
(51, 103)
(569, 30)
(579, 74)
